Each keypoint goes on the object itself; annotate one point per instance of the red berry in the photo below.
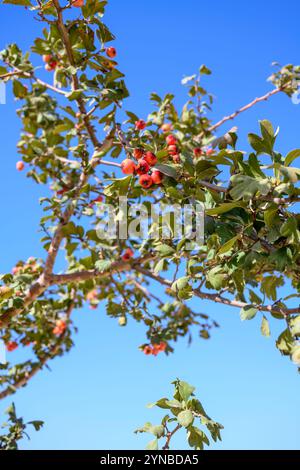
(210, 152)
(128, 254)
(60, 192)
(11, 346)
(138, 153)
(51, 66)
(146, 181)
(147, 350)
(171, 139)
(20, 165)
(176, 158)
(111, 52)
(140, 124)
(47, 58)
(172, 149)
(197, 152)
(128, 166)
(157, 177)
(167, 127)
(142, 167)
(78, 3)
(60, 327)
(150, 158)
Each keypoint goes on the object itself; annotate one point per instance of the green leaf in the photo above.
(24, 3)
(185, 418)
(19, 90)
(162, 403)
(152, 445)
(246, 187)
(180, 283)
(203, 70)
(168, 170)
(103, 265)
(248, 312)
(228, 245)
(291, 156)
(197, 438)
(164, 250)
(74, 95)
(37, 424)
(265, 327)
(285, 342)
(216, 278)
(185, 390)
(158, 430)
(226, 207)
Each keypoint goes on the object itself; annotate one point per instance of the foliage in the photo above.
(74, 136)
(15, 430)
(185, 410)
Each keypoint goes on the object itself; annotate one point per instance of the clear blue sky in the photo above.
(95, 397)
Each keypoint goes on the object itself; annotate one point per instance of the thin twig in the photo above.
(245, 108)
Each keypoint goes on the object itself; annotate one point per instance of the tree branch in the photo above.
(245, 108)
(50, 354)
(215, 297)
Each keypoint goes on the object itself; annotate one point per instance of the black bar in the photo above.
(131, 459)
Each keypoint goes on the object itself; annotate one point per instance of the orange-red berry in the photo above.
(157, 177)
(47, 58)
(147, 350)
(171, 139)
(146, 181)
(140, 124)
(78, 3)
(51, 65)
(11, 346)
(128, 166)
(128, 254)
(172, 149)
(150, 158)
(20, 166)
(167, 127)
(197, 152)
(138, 153)
(111, 52)
(142, 167)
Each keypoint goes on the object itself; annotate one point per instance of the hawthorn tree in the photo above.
(77, 140)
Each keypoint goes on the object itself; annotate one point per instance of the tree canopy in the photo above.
(81, 143)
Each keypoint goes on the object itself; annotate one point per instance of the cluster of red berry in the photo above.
(31, 265)
(143, 168)
(154, 349)
(173, 149)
